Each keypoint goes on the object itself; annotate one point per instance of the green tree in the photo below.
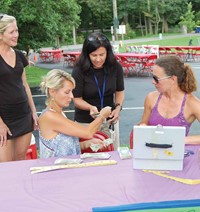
(197, 16)
(153, 16)
(96, 14)
(42, 21)
(188, 18)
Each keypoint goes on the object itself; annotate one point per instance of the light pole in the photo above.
(115, 19)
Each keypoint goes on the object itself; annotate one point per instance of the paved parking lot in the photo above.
(136, 88)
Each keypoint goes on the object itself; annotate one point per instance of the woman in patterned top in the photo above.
(58, 135)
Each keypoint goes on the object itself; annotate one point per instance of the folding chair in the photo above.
(151, 49)
(162, 51)
(149, 63)
(43, 57)
(69, 60)
(195, 54)
(180, 53)
(32, 150)
(57, 56)
(131, 139)
(169, 51)
(127, 65)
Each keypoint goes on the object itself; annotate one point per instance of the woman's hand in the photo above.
(142, 124)
(105, 112)
(97, 141)
(114, 116)
(93, 111)
(35, 119)
(4, 130)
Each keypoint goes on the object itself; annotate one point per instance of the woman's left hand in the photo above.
(100, 142)
(86, 144)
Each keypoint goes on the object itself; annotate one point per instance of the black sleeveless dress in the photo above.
(14, 107)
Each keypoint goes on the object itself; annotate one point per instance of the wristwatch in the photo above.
(118, 105)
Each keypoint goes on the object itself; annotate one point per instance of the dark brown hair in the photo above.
(173, 66)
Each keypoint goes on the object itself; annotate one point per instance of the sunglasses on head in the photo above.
(156, 79)
(98, 38)
(1, 16)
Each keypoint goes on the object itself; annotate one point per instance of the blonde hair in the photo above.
(55, 80)
(5, 21)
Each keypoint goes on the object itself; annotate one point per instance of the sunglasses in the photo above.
(156, 79)
(100, 38)
(2, 15)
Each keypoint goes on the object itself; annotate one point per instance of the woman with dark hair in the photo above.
(99, 81)
(173, 104)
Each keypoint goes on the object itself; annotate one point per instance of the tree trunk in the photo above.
(150, 26)
(140, 22)
(145, 22)
(164, 25)
(157, 20)
(125, 19)
(148, 18)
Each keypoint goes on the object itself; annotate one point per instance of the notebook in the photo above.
(158, 147)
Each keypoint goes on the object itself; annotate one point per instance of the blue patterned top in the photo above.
(60, 145)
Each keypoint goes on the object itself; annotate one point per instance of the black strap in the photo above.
(153, 145)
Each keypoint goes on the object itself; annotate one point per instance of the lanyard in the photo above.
(101, 93)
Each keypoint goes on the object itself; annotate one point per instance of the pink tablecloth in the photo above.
(81, 189)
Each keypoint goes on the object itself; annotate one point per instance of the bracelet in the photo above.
(117, 104)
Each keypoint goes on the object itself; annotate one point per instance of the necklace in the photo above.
(62, 113)
(166, 114)
(52, 110)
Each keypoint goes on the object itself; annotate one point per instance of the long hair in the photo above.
(173, 66)
(91, 44)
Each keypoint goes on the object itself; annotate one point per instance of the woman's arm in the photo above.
(83, 105)
(192, 139)
(30, 101)
(193, 108)
(119, 98)
(147, 109)
(52, 123)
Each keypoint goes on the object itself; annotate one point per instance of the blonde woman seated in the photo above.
(59, 136)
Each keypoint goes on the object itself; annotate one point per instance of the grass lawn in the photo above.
(181, 41)
(34, 75)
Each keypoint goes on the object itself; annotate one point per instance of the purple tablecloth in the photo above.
(81, 189)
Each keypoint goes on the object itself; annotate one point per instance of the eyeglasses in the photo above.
(100, 38)
(156, 79)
